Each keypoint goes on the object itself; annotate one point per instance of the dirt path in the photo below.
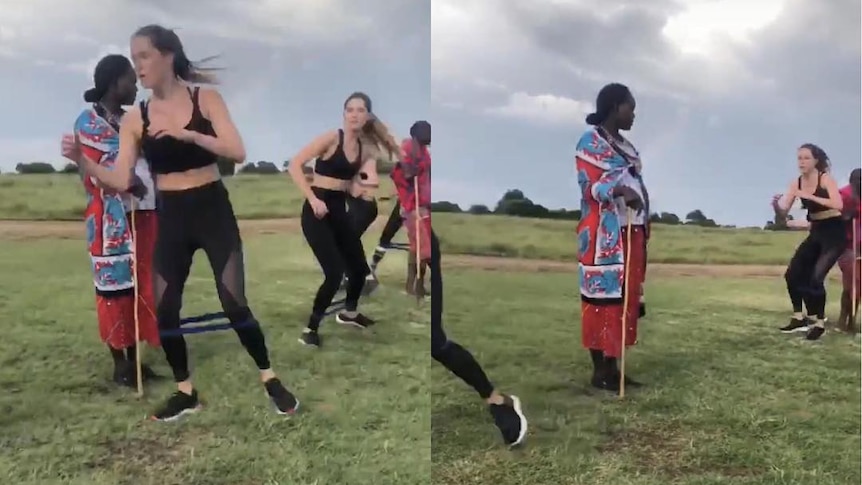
(30, 230)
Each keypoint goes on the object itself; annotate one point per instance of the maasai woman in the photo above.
(849, 260)
(826, 241)
(327, 227)
(182, 130)
(505, 409)
(108, 218)
(415, 164)
(612, 190)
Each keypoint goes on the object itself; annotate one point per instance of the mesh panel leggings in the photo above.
(393, 224)
(338, 250)
(188, 220)
(811, 263)
(457, 359)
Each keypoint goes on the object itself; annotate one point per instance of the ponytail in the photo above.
(377, 133)
(193, 72)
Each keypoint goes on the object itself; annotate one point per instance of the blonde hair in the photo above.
(377, 134)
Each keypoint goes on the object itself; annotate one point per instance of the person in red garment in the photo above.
(415, 164)
(114, 254)
(850, 195)
(613, 201)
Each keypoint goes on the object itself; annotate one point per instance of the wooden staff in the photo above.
(854, 275)
(138, 348)
(418, 241)
(626, 268)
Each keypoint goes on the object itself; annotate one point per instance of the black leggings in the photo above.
(338, 249)
(393, 224)
(457, 359)
(811, 263)
(188, 220)
(362, 212)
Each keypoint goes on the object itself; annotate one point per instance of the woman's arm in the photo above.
(316, 149)
(833, 201)
(227, 142)
(784, 203)
(119, 177)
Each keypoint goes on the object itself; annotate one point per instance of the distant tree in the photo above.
(267, 168)
(34, 168)
(445, 206)
(479, 209)
(69, 168)
(695, 217)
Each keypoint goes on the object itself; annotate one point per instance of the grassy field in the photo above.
(555, 240)
(729, 401)
(365, 402)
(61, 196)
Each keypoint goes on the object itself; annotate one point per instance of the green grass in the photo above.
(61, 196)
(365, 413)
(729, 401)
(556, 240)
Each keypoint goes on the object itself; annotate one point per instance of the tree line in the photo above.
(515, 203)
(226, 167)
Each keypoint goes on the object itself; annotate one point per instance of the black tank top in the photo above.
(169, 155)
(338, 166)
(811, 206)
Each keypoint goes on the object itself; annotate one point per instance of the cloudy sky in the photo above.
(726, 90)
(289, 64)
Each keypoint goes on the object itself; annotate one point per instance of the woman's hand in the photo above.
(630, 197)
(161, 130)
(71, 148)
(318, 207)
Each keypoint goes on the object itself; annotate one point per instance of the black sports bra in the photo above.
(338, 166)
(169, 155)
(820, 191)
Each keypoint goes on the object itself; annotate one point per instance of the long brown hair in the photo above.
(374, 131)
(167, 41)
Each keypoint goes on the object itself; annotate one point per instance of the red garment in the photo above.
(851, 210)
(601, 325)
(424, 235)
(418, 159)
(116, 312)
(845, 263)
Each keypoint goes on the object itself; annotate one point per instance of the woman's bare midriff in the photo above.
(330, 183)
(190, 179)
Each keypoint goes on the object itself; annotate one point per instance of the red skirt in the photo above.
(845, 263)
(601, 325)
(423, 240)
(116, 314)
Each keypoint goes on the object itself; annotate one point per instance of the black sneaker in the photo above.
(177, 406)
(310, 337)
(284, 401)
(815, 332)
(360, 320)
(796, 325)
(510, 420)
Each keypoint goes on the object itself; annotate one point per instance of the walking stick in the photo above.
(626, 292)
(854, 275)
(418, 241)
(138, 348)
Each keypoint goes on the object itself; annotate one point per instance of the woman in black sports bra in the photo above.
(181, 131)
(341, 155)
(826, 240)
